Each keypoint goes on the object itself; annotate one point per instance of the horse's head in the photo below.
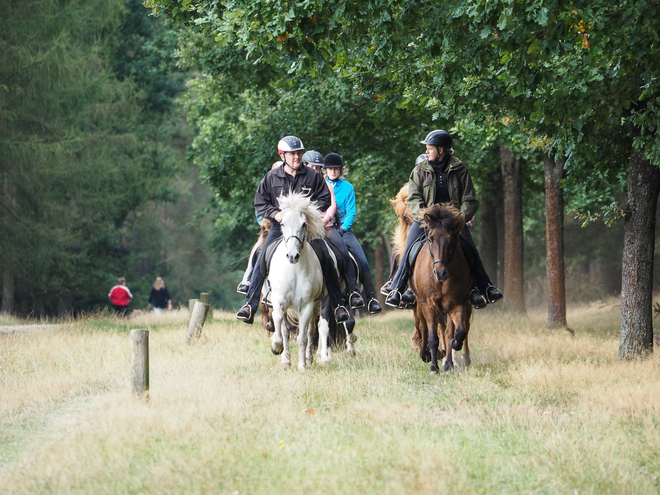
(294, 231)
(301, 222)
(444, 224)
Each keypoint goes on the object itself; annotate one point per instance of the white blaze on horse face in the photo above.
(294, 228)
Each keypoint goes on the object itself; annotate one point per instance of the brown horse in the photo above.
(441, 282)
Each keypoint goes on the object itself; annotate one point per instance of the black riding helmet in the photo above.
(333, 160)
(313, 157)
(439, 139)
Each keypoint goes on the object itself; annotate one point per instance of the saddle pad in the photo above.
(268, 256)
(415, 249)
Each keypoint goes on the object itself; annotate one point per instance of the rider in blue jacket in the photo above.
(346, 209)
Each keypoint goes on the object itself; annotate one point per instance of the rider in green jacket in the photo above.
(442, 178)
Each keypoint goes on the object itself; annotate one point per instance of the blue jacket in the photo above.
(345, 197)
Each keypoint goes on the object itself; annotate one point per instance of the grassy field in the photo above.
(539, 411)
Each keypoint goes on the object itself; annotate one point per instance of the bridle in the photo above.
(440, 260)
(301, 241)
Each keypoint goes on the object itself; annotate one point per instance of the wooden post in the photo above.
(191, 305)
(197, 321)
(205, 297)
(140, 361)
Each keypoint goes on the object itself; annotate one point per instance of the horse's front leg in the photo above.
(448, 335)
(276, 346)
(304, 324)
(433, 342)
(421, 329)
(324, 336)
(311, 328)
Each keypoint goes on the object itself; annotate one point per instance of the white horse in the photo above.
(296, 280)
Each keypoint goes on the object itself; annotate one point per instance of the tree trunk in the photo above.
(554, 241)
(514, 290)
(7, 290)
(643, 184)
(486, 221)
(500, 229)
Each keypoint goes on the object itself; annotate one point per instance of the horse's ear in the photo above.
(427, 218)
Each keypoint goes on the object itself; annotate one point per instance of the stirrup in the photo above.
(247, 318)
(359, 301)
(394, 299)
(243, 288)
(477, 299)
(387, 288)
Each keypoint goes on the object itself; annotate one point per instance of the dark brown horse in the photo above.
(441, 283)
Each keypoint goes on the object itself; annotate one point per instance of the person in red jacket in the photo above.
(120, 297)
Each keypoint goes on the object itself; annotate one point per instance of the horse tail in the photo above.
(400, 234)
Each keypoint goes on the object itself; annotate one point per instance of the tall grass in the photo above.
(539, 411)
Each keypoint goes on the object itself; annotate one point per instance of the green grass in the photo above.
(539, 411)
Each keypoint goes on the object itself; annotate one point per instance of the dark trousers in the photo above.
(258, 276)
(349, 270)
(365, 271)
(120, 310)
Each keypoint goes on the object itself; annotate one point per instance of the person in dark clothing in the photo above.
(291, 176)
(159, 298)
(442, 178)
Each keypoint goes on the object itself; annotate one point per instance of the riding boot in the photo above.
(369, 289)
(483, 290)
(405, 270)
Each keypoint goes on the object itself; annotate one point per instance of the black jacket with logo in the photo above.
(276, 183)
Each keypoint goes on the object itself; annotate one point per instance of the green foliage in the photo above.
(80, 145)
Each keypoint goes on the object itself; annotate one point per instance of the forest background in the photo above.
(132, 139)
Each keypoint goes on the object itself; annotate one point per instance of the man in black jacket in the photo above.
(291, 176)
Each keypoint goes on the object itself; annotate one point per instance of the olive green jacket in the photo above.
(422, 188)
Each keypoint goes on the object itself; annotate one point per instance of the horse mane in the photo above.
(405, 220)
(445, 216)
(300, 202)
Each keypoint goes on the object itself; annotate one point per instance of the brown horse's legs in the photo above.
(434, 341)
(422, 327)
(448, 335)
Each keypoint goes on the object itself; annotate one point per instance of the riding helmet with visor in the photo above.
(333, 160)
(438, 138)
(313, 157)
(290, 143)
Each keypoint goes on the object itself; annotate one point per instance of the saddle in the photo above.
(466, 247)
(268, 255)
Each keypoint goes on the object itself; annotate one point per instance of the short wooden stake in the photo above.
(205, 297)
(197, 321)
(140, 361)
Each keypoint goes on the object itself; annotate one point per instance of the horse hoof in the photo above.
(351, 353)
(425, 355)
(301, 367)
(456, 345)
(447, 368)
(286, 366)
(434, 372)
(276, 348)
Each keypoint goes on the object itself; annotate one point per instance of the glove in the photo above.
(341, 232)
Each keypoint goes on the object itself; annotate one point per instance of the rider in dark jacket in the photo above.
(291, 176)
